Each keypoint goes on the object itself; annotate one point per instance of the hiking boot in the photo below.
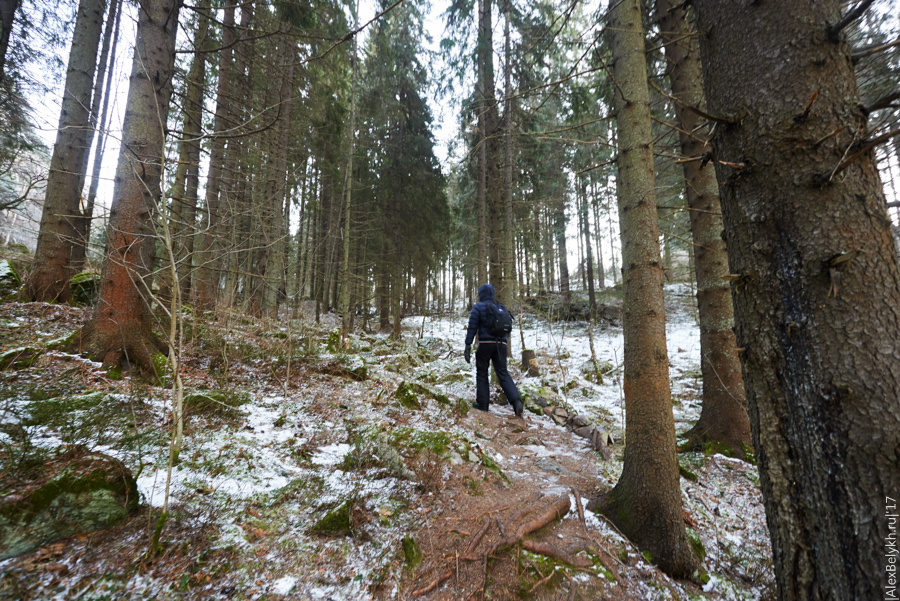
(475, 405)
(517, 407)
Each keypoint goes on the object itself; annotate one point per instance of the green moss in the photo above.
(61, 343)
(221, 403)
(19, 358)
(407, 397)
(114, 372)
(749, 455)
(687, 474)
(696, 543)
(411, 552)
(160, 365)
(333, 344)
(84, 287)
(336, 522)
(461, 407)
(647, 556)
(489, 463)
(474, 486)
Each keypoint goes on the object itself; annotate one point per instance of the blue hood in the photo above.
(486, 293)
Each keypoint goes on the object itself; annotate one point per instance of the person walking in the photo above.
(491, 348)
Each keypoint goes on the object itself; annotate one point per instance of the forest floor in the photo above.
(362, 473)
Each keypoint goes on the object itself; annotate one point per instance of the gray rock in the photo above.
(78, 492)
(9, 279)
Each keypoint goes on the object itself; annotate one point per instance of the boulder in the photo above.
(435, 346)
(84, 287)
(78, 492)
(594, 371)
(9, 279)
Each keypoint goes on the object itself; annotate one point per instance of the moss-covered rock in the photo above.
(9, 279)
(19, 358)
(61, 343)
(335, 522)
(78, 492)
(84, 287)
(406, 394)
(221, 403)
(594, 371)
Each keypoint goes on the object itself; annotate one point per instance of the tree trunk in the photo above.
(187, 173)
(277, 183)
(816, 302)
(119, 331)
(723, 419)
(646, 502)
(586, 232)
(49, 278)
(510, 279)
(208, 280)
(8, 10)
(559, 229)
(346, 278)
(79, 252)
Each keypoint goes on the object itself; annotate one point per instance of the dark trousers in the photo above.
(496, 352)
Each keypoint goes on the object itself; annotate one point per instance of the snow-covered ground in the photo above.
(248, 489)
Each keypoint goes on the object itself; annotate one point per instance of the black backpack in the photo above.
(499, 321)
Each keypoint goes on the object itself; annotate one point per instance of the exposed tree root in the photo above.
(558, 508)
(703, 440)
(433, 585)
(127, 344)
(477, 539)
(549, 550)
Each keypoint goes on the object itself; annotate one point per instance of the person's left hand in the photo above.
(468, 354)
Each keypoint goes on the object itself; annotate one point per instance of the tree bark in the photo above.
(49, 278)
(187, 174)
(8, 10)
(646, 501)
(83, 220)
(816, 302)
(724, 423)
(119, 332)
(79, 252)
(208, 278)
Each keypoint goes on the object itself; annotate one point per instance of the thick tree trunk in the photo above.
(646, 502)
(723, 422)
(120, 332)
(49, 277)
(208, 279)
(816, 302)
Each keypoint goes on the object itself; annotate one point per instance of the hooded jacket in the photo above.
(478, 317)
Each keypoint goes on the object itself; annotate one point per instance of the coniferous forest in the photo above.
(242, 254)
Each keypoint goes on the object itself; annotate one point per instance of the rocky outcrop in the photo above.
(77, 492)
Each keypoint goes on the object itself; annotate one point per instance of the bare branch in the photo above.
(850, 17)
(862, 53)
